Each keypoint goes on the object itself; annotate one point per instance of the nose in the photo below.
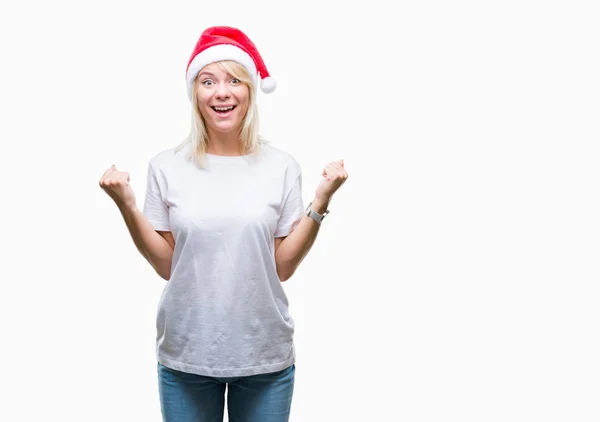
(222, 91)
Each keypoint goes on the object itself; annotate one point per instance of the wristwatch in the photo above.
(315, 215)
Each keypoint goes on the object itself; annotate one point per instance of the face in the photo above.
(222, 99)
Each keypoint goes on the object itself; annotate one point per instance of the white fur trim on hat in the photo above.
(217, 53)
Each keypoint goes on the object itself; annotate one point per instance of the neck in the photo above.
(224, 143)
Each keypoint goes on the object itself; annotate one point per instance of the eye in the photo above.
(236, 81)
(207, 82)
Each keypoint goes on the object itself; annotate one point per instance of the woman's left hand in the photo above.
(334, 177)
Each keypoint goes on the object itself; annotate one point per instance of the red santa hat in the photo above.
(226, 43)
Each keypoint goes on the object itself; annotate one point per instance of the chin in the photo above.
(224, 128)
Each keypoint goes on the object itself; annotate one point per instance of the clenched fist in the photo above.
(334, 176)
(116, 184)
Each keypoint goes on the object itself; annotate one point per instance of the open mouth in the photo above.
(223, 110)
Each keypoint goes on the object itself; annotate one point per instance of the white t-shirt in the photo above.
(223, 312)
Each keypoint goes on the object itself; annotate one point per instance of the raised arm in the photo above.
(156, 248)
(290, 251)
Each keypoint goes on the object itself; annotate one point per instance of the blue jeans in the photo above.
(188, 397)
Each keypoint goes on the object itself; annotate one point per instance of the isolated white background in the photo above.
(456, 278)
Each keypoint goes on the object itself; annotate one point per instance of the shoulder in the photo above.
(166, 157)
(282, 158)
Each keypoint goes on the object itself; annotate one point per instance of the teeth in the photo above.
(223, 108)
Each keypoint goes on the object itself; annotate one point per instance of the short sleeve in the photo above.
(155, 209)
(292, 210)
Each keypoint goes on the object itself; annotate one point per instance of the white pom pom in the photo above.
(267, 85)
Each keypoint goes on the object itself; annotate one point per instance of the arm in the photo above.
(291, 250)
(156, 247)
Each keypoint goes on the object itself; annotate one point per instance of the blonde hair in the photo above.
(198, 136)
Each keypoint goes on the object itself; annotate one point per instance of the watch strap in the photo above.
(315, 215)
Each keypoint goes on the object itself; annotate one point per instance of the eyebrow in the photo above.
(206, 73)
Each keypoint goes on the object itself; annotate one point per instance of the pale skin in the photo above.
(216, 88)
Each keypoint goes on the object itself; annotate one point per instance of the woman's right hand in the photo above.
(116, 184)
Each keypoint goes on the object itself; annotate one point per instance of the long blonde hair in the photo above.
(198, 136)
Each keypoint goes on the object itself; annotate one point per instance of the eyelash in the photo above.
(208, 80)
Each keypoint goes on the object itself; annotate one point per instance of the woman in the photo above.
(224, 223)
